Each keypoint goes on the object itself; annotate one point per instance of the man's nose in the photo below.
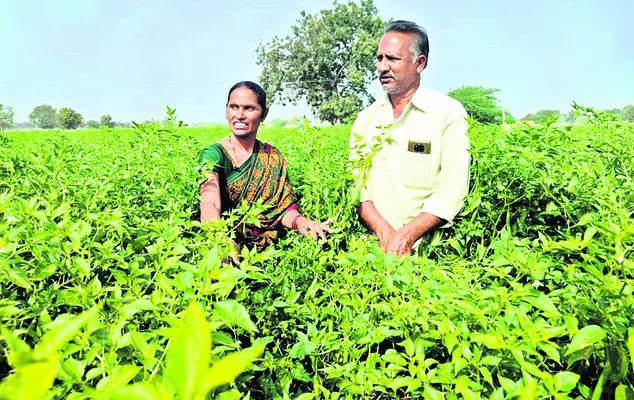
(381, 66)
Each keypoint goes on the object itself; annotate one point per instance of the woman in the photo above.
(243, 168)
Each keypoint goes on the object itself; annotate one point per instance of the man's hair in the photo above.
(255, 88)
(420, 44)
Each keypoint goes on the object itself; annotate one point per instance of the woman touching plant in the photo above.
(244, 169)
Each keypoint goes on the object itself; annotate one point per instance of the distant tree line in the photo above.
(45, 116)
(625, 114)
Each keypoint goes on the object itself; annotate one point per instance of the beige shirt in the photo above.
(403, 183)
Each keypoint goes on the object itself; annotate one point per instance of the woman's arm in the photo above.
(315, 229)
(210, 204)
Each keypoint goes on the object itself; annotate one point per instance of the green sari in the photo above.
(263, 177)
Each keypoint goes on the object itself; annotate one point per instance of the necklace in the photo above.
(235, 153)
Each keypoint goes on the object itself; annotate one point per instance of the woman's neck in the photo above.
(245, 143)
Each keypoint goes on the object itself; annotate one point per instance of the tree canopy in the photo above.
(627, 113)
(43, 116)
(6, 117)
(543, 115)
(67, 118)
(327, 59)
(106, 120)
(480, 102)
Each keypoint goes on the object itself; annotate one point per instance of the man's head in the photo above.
(401, 56)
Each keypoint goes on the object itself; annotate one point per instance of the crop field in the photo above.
(111, 289)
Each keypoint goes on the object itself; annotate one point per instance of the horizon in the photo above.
(131, 60)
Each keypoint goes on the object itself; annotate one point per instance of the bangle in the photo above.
(294, 221)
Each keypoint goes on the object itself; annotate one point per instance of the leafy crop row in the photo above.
(529, 295)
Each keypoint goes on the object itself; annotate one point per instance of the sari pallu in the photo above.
(264, 178)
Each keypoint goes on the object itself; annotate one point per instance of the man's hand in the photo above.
(399, 243)
(384, 236)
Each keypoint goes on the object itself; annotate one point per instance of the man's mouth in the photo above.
(385, 78)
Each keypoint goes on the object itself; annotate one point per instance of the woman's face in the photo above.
(244, 113)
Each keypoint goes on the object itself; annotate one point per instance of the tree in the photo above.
(67, 118)
(480, 103)
(543, 115)
(627, 113)
(43, 116)
(106, 120)
(6, 117)
(92, 124)
(571, 117)
(328, 60)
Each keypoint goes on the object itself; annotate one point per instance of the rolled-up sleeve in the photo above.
(452, 185)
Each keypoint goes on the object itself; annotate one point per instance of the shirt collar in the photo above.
(419, 100)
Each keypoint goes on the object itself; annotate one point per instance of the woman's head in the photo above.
(255, 88)
(246, 108)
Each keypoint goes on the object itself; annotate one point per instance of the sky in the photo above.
(130, 58)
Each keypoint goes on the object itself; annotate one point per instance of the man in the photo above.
(419, 178)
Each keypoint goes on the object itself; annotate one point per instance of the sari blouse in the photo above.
(262, 177)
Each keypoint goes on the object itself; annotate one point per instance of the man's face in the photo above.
(398, 73)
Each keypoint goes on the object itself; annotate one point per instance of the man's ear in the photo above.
(421, 62)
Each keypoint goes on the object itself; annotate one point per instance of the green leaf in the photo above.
(432, 394)
(57, 337)
(233, 313)
(136, 306)
(120, 376)
(566, 381)
(188, 353)
(630, 344)
(406, 381)
(18, 277)
(29, 381)
(587, 336)
(302, 348)
(227, 369)
(137, 391)
(491, 341)
(74, 368)
(623, 392)
(544, 303)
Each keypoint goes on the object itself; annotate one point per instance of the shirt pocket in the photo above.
(416, 170)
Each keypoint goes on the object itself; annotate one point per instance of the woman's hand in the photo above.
(314, 229)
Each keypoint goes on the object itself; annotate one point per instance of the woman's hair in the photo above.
(257, 89)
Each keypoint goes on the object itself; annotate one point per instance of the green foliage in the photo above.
(67, 118)
(43, 116)
(543, 115)
(627, 113)
(528, 295)
(328, 60)
(480, 103)
(92, 124)
(106, 120)
(6, 117)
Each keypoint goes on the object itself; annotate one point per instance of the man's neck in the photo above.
(399, 101)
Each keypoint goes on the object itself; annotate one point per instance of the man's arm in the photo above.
(401, 242)
(453, 178)
(375, 221)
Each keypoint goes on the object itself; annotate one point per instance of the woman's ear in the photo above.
(264, 114)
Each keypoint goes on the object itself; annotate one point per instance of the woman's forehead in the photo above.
(243, 95)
